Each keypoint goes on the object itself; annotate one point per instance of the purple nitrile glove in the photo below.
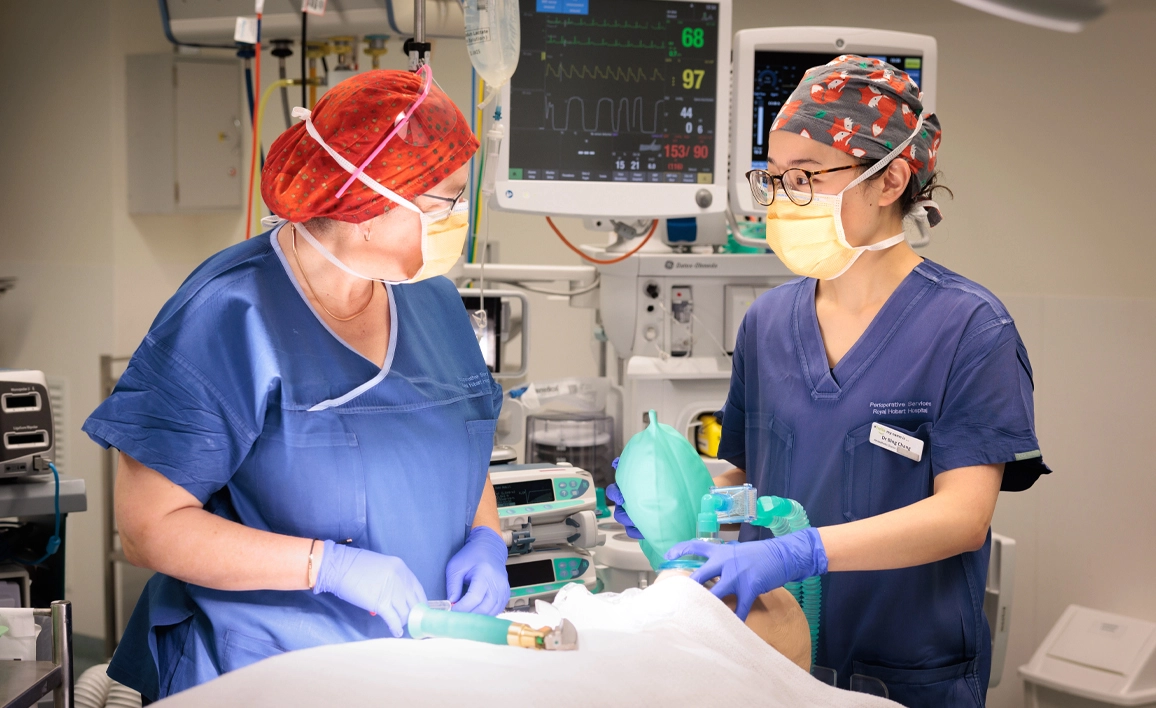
(614, 494)
(481, 564)
(750, 569)
(382, 584)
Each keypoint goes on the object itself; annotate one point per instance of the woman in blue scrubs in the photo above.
(305, 431)
(888, 395)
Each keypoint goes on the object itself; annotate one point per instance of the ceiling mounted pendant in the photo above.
(1059, 15)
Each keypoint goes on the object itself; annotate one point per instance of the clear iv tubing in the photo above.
(472, 255)
(701, 324)
(473, 129)
(789, 516)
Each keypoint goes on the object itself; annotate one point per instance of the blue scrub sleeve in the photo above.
(988, 413)
(170, 416)
(732, 445)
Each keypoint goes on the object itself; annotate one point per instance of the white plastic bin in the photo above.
(1093, 658)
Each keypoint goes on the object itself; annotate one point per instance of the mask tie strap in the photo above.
(333, 259)
(858, 251)
(885, 243)
(878, 166)
(304, 114)
(399, 127)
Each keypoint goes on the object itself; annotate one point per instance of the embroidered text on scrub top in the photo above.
(901, 408)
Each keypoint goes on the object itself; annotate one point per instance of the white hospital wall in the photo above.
(1085, 535)
(1023, 110)
(56, 236)
(91, 277)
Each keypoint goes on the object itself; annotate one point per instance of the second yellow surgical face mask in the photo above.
(810, 241)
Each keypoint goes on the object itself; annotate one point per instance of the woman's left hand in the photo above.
(480, 564)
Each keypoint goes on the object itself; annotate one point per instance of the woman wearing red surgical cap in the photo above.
(305, 432)
(889, 396)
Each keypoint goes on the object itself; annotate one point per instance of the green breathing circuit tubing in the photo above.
(781, 516)
(425, 622)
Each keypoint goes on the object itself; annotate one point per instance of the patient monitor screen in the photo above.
(777, 74)
(615, 91)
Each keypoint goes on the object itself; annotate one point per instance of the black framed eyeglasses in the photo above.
(796, 184)
(452, 200)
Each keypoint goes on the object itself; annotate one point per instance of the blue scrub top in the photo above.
(243, 396)
(943, 362)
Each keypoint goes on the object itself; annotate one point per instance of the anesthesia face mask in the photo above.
(810, 239)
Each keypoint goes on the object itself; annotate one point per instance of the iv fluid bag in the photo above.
(493, 39)
(663, 480)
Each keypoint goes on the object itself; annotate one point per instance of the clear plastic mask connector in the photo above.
(735, 505)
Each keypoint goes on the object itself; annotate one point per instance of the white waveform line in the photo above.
(623, 104)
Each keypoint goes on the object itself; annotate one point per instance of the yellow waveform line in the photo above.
(614, 73)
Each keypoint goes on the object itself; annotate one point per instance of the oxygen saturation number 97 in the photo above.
(692, 78)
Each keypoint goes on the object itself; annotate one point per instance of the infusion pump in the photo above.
(547, 514)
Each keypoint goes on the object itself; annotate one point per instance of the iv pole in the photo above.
(417, 47)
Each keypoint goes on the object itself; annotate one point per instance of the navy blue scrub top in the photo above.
(242, 395)
(942, 361)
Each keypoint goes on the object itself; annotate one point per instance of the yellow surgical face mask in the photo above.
(442, 242)
(810, 240)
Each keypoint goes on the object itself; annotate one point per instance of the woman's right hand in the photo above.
(614, 494)
(381, 584)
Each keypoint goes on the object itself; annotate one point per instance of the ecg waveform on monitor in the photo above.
(624, 91)
(614, 108)
(607, 73)
(575, 41)
(554, 23)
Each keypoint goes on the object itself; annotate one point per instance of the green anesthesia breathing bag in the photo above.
(662, 480)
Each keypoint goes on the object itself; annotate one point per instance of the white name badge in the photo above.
(896, 441)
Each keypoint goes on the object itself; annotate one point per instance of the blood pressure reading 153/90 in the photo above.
(615, 91)
(777, 74)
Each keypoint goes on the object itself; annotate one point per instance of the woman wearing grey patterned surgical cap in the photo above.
(888, 395)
